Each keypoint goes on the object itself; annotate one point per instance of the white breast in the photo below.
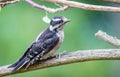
(60, 34)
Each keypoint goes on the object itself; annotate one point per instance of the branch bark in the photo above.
(3, 3)
(113, 1)
(47, 9)
(74, 4)
(67, 58)
(107, 38)
(68, 4)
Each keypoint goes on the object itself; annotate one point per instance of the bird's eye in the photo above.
(60, 21)
(53, 23)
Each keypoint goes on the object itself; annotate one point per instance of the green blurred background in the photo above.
(20, 24)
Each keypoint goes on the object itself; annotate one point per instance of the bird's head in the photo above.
(58, 22)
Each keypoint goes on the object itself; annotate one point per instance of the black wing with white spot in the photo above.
(46, 42)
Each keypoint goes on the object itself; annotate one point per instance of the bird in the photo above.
(45, 45)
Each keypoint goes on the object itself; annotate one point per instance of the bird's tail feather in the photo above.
(16, 66)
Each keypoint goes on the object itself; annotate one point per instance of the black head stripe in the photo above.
(56, 20)
(53, 23)
(58, 17)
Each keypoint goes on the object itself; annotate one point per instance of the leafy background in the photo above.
(21, 23)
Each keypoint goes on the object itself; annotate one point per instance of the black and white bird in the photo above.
(45, 44)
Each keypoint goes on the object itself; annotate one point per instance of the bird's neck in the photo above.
(55, 30)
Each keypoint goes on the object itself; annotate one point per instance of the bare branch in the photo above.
(84, 6)
(67, 58)
(51, 10)
(67, 4)
(107, 38)
(8, 2)
(113, 1)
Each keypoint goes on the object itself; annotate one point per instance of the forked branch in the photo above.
(74, 4)
(67, 58)
(66, 5)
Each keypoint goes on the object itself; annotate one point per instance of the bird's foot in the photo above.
(60, 54)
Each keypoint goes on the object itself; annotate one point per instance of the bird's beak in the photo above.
(66, 20)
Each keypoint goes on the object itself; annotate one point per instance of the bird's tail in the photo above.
(19, 64)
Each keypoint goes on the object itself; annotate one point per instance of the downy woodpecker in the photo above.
(45, 45)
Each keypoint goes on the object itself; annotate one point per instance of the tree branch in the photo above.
(3, 3)
(51, 10)
(73, 57)
(67, 58)
(84, 6)
(107, 38)
(113, 1)
(68, 4)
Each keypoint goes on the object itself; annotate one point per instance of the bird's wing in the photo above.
(37, 49)
(40, 48)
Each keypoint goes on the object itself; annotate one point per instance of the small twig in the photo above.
(67, 58)
(109, 39)
(8, 2)
(113, 1)
(85, 6)
(51, 10)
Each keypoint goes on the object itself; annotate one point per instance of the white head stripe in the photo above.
(53, 27)
(56, 19)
